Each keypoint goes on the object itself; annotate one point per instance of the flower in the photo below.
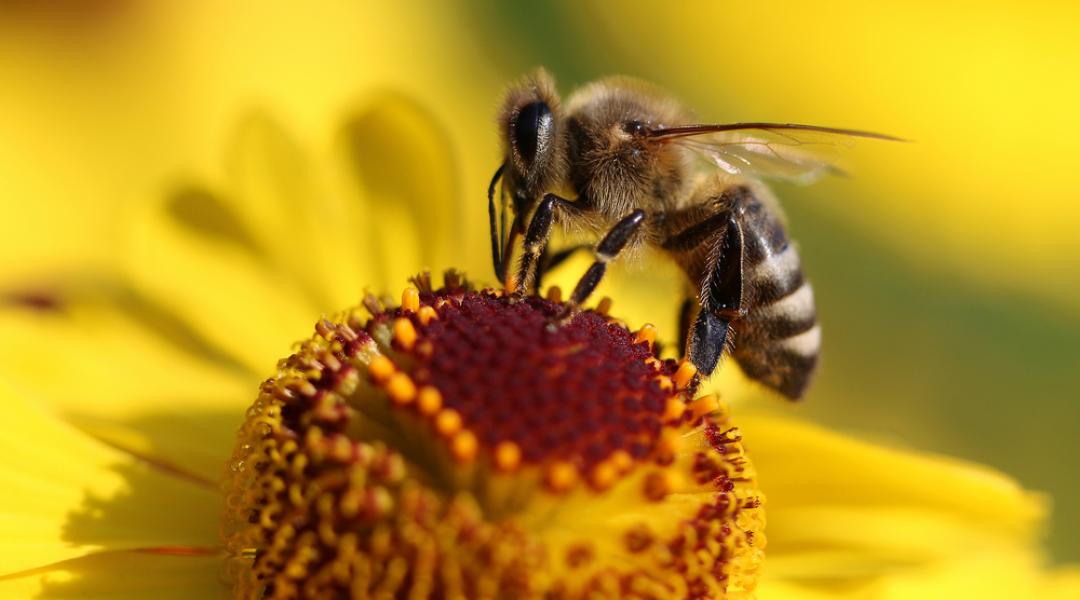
(122, 398)
(458, 445)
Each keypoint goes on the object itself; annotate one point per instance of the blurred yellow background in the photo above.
(947, 270)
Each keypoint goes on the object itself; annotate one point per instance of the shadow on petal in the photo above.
(158, 536)
(136, 574)
(405, 172)
(202, 212)
(153, 510)
(192, 444)
(64, 295)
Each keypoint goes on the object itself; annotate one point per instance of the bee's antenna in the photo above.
(664, 133)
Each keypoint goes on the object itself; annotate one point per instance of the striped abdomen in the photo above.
(778, 341)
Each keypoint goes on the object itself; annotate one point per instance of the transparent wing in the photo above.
(791, 152)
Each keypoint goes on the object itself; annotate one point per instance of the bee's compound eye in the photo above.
(635, 127)
(532, 130)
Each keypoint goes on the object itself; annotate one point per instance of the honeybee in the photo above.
(624, 159)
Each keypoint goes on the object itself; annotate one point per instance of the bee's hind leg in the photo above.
(720, 297)
(721, 301)
(606, 251)
(686, 313)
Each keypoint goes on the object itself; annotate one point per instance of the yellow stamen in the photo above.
(674, 409)
(622, 461)
(561, 476)
(430, 401)
(654, 362)
(426, 314)
(379, 501)
(331, 362)
(603, 475)
(605, 306)
(646, 334)
(448, 421)
(684, 374)
(300, 386)
(350, 503)
(410, 299)
(326, 406)
(341, 449)
(507, 456)
(704, 405)
(401, 388)
(405, 333)
(381, 368)
(554, 293)
(665, 383)
(313, 439)
(464, 445)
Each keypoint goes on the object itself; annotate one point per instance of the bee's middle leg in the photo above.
(606, 251)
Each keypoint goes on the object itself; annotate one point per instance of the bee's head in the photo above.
(531, 128)
(615, 161)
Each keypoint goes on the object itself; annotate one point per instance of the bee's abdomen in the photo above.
(778, 341)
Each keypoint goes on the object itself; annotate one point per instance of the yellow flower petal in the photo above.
(993, 575)
(848, 515)
(67, 495)
(103, 367)
(248, 264)
(806, 465)
(403, 175)
(300, 228)
(228, 294)
(820, 542)
(189, 69)
(122, 575)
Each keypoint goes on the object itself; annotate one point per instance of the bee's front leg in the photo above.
(496, 232)
(536, 239)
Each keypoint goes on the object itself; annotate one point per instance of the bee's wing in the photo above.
(787, 151)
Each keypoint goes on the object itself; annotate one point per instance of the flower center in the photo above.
(464, 444)
(579, 394)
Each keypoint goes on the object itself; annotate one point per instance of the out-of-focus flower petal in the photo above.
(853, 473)
(992, 574)
(67, 495)
(402, 180)
(123, 575)
(127, 374)
(247, 261)
(849, 515)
